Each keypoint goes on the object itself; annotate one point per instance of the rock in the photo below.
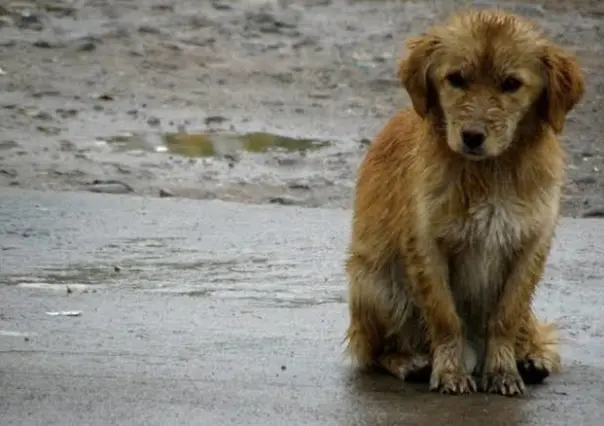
(60, 9)
(8, 144)
(319, 95)
(67, 146)
(164, 193)
(221, 5)
(67, 113)
(46, 44)
(529, 10)
(232, 159)
(49, 130)
(172, 46)
(197, 40)
(299, 186)
(586, 180)
(110, 187)
(285, 200)
(595, 212)
(384, 83)
(11, 173)
(305, 42)
(6, 21)
(197, 22)
(43, 93)
(266, 22)
(287, 161)
(214, 119)
(283, 77)
(86, 45)
(153, 121)
(30, 20)
(148, 29)
(163, 7)
(43, 115)
(105, 97)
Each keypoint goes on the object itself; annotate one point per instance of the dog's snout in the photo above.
(473, 137)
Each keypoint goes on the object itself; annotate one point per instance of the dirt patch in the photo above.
(75, 74)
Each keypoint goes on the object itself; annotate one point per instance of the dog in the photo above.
(455, 207)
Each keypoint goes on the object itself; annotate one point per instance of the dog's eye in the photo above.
(510, 85)
(455, 79)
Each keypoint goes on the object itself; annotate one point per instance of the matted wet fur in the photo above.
(455, 208)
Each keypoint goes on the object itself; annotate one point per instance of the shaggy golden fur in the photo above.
(455, 208)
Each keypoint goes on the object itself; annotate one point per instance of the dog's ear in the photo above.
(564, 87)
(413, 72)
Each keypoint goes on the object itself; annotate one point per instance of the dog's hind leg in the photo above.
(385, 329)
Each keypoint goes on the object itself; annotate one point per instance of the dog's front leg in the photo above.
(428, 275)
(501, 373)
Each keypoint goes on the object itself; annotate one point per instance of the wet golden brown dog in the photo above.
(455, 208)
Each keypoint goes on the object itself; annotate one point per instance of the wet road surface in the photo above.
(210, 313)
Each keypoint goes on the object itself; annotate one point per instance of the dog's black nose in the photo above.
(473, 138)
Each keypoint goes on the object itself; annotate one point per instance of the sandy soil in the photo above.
(75, 73)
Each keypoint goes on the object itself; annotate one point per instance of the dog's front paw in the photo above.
(452, 382)
(506, 383)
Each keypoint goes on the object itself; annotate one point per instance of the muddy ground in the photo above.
(77, 74)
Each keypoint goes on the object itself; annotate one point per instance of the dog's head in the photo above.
(486, 75)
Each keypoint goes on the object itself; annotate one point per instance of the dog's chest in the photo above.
(480, 244)
(492, 225)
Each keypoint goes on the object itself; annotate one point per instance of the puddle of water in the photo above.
(212, 143)
(10, 333)
(56, 287)
(76, 278)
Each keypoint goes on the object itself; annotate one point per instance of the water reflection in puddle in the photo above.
(211, 144)
(256, 279)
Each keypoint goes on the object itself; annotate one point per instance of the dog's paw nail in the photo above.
(452, 383)
(508, 384)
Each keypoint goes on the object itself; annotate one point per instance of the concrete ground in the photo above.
(211, 313)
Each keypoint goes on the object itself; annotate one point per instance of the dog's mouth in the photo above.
(475, 154)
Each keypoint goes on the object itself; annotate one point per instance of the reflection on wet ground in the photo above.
(263, 275)
(211, 143)
(255, 279)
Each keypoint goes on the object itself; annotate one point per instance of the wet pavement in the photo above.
(211, 313)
